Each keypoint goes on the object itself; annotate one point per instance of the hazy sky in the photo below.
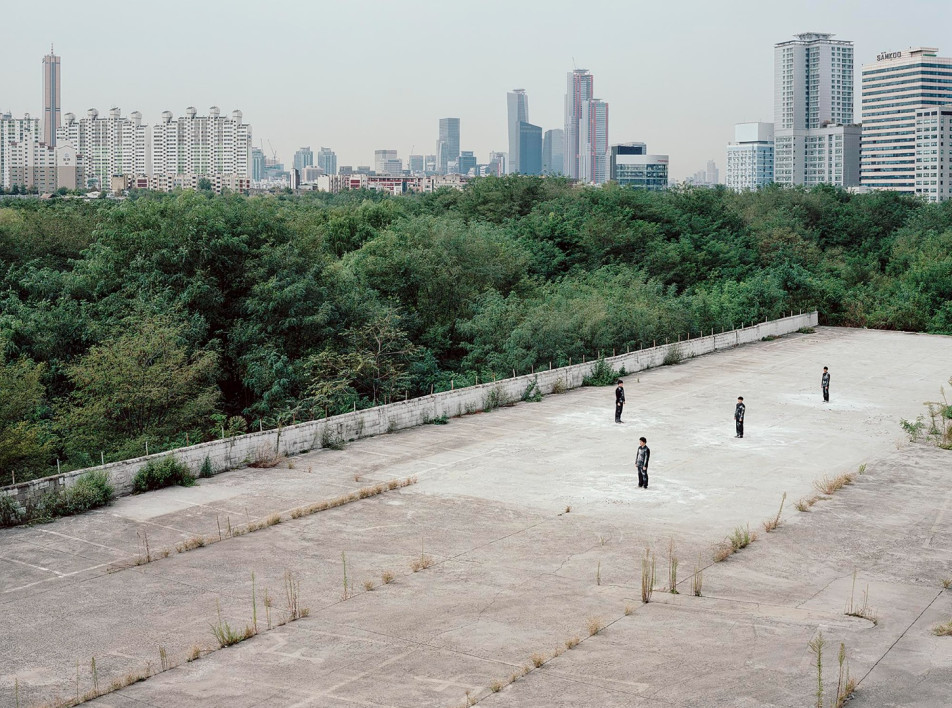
(360, 75)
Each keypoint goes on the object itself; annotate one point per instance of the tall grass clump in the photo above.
(602, 374)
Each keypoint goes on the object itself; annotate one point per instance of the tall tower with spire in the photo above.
(51, 97)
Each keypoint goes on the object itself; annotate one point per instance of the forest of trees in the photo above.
(170, 319)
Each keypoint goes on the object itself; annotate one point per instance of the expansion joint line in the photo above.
(924, 609)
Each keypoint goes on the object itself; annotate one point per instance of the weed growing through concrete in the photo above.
(224, 634)
(292, 592)
(594, 626)
(568, 509)
(268, 604)
(559, 386)
(598, 574)
(194, 653)
(816, 646)
(697, 582)
(845, 684)
(647, 576)
(673, 356)
(741, 538)
(946, 583)
(943, 630)
(628, 609)
(387, 577)
(369, 585)
(163, 659)
(532, 394)
(572, 642)
(672, 569)
(771, 524)
(496, 686)
(423, 562)
(343, 559)
(862, 610)
(538, 659)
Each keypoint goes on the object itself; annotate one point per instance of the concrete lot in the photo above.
(515, 574)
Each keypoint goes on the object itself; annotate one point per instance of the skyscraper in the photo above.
(894, 88)
(14, 130)
(257, 164)
(750, 158)
(466, 162)
(553, 147)
(204, 146)
(51, 97)
(593, 142)
(579, 88)
(530, 149)
(304, 157)
(815, 141)
(447, 146)
(327, 161)
(517, 103)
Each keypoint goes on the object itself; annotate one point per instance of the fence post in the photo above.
(57, 466)
(102, 458)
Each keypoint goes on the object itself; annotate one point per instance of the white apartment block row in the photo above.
(933, 169)
(190, 145)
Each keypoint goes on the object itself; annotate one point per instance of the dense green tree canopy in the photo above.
(170, 318)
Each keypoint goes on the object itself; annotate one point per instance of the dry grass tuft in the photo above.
(572, 642)
(946, 583)
(190, 544)
(194, 653)
(723, 551)
(496, 686)
(568, 509)
(830, 485)
(369, 585)
(862, 610)
(538, 659)
(628, 609)
(595, 626)
(772, 524)
(273, 520)
(943, 630)
(298, 513)
(387, 577)
(265, 459)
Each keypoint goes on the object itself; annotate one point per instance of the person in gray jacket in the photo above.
(825, 385)
(641, 462)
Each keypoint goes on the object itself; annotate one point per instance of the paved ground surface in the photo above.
(514, 573)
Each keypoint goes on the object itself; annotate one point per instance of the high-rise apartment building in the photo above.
(750, 158)
(304, 157)
(517, 104)
(579, 90)
(895, 87)
(712, 174)
(202, 145)
(447, 146)
(631, 166)
(530, 149)
(14, 130)
(327, 161)
(553, 149)
(51, 97)
(813, 91)
(593, 142)
(934, 153)
(45, 168)
(111, 145)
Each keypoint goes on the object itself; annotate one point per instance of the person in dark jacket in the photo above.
(825, 384)
(641, 462)
(739, 411)
(619, 400)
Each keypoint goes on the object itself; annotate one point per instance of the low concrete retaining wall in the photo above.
(239, 451)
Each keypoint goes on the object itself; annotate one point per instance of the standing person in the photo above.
(619, 400)
(739, 411)
(825, 385)
(641, 462)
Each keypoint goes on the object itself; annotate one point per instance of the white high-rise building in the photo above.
(202, 146)
(934, 153)
(327, 161)
(895, 88)
(813, 91)
(385, 161)
(579, 90)
(14, 130)
(111, 145)
(45, 168)
(750, 158)
(304, 157)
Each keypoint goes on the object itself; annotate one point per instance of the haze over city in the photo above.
(359, 77)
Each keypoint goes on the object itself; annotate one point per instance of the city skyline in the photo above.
(682, 88)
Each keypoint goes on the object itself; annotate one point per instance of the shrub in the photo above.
(10, 512)
(673, 356)
(90, 491)
(602, 374)
(162, 473)
(532, 394)
(206, 469)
